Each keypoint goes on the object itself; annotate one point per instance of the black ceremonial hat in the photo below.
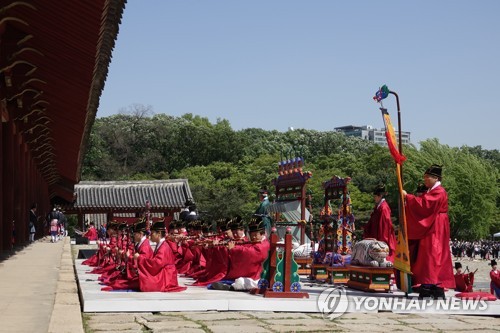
(434, 170)
(379, 189)
(206, 226)
(493, 263)
(263, 190)
(159, 226)
(223, 224)
(256, 224)
(123, 226)
(140, 226)
(112, 225)
(237, 223)
(173, 225)
(195, 224)
(458, 265)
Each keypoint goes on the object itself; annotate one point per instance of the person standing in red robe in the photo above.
(380, 225)
(158, 273)
(427, 222)
(91, 234)
(495, 279)
(413, 243)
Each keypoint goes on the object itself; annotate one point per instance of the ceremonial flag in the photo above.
(381, 94)
(391, 138)
(402, 258)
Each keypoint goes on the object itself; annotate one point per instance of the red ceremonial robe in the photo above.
(380, 227)
(463, 282)
(246, 261)
(91, 234)
(121, 283)
(198, 263)
(158, 273)
(427, 222)
(113, 267)
(184, 264)
(495, 283)
(108, 257)
(217, 266)
(94, 260)
(98, 256)
(175, 249)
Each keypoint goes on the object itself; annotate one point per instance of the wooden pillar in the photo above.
(8, 184)
(42, 201)
(109, 217)
(303, 214)
(18, 196)
(2, 143)
(24, 197)
(31, 186)
(80, 220)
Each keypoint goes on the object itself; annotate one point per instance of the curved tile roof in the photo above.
(132, 195)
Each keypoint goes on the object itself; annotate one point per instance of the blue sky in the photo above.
(314, 64)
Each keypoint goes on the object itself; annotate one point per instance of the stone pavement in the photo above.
(37, 283)
(255, 322)
(39, 294)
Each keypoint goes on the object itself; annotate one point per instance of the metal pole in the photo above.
(400, 136)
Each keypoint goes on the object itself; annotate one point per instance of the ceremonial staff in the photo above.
(402, 259)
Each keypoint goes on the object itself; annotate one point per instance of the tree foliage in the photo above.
(225, 168)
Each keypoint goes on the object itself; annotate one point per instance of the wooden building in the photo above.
(128, 198)
(54, 58)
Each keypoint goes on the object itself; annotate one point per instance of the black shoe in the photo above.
(221, 286)
(430, 291)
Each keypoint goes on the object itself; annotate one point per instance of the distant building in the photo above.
(369, 133)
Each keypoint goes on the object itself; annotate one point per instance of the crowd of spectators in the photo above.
(471, 250)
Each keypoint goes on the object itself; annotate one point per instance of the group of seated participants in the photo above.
(148, 257)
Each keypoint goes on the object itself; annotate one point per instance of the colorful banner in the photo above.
(390, 135)
(402, 258)
(381, 94)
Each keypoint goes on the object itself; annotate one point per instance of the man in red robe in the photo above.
(91, 234)
(198, 262)
(464, 281)
(495, 279)
(143, 247)
(427, 222)
(158, 273)
(216, 255)
(245, 261)
(98, 258)
(237, 227)
(117, 248)
(170, 238)
(380, 226)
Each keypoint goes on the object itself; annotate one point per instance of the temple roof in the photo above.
(132, 195)
(54, 63)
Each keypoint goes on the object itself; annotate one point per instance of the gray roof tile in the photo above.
(132, 194)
